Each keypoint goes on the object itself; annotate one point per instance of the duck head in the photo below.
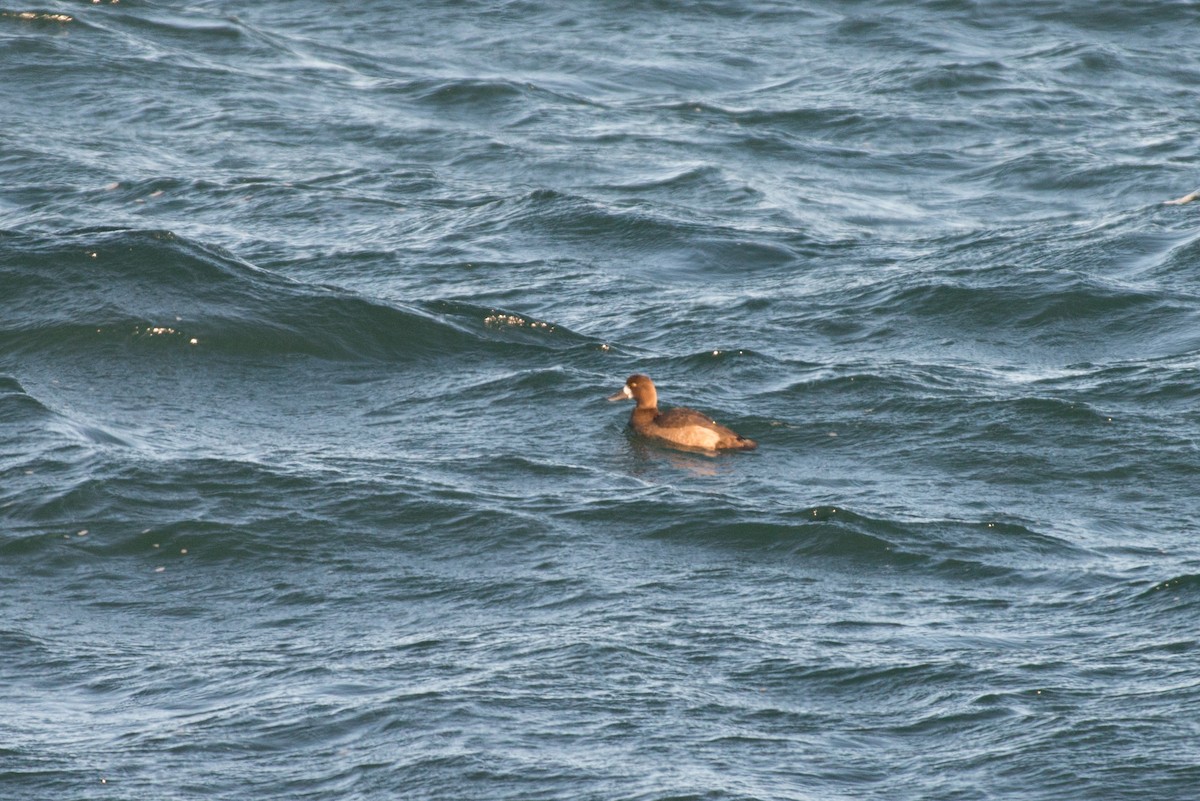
(638, 388)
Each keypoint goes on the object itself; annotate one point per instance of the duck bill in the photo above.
(624, 394)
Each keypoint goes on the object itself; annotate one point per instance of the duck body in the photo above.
(681, 427)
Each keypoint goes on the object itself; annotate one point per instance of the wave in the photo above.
(88, 291)
(17, 406)
(668, 239)
(1062, 310)
(1179, 593)
(1034, 305)
(481, 97)
(1170, 381)
(139, 505)
(953, 550)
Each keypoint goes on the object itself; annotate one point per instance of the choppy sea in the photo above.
(308, 484)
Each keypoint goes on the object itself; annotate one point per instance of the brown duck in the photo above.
(685, 428)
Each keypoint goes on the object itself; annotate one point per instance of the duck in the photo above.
(679, 427)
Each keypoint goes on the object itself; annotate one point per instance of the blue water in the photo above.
(308, 486)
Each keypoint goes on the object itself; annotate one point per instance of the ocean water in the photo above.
(308, 486)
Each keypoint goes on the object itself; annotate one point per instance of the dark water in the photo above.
(308, 489)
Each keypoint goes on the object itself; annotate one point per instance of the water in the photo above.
(308, 487)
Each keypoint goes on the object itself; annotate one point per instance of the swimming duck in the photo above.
(686, 428)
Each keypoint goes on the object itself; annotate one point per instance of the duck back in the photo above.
(688, 428)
